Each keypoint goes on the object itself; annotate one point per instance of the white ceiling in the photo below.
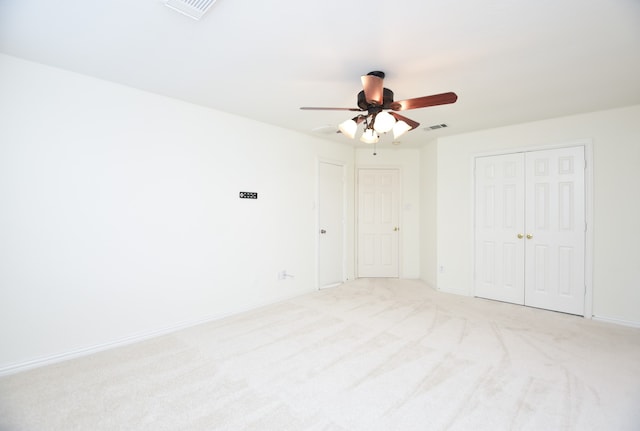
(509, 61)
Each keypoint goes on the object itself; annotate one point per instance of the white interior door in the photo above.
(331, 224)
(499, 218)
(555, 230)
(378, 222)
(530, 229)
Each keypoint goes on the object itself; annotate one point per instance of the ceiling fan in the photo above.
(376, 101)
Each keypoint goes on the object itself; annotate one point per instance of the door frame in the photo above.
(587, 143)
(343, 165)
(357, 216)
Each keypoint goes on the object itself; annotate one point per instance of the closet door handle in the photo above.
(529, 236)
(520, 236)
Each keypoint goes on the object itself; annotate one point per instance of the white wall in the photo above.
(408, 161)
(120, 213)
(616, 201)
(120, 217)
(428, 213)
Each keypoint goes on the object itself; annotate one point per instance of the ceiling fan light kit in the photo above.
(348, 128)
(383, 122)
(376, 101)
(369, 137)
(400, 128)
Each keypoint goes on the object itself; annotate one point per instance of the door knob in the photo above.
(323, 231)
(529, 236)
(396, 229)
(520, 236)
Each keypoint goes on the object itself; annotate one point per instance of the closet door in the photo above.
(499, 227)
(530, 229)
(555, 230)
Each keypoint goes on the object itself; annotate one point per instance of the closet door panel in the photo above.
(499, 219)
(555, 229)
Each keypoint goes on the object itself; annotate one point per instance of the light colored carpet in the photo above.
(368, 355)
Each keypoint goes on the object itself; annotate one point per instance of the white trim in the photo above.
(588, 245)
(400, 212)
(573, 143)
(587, 143)
(617, 321)
(131, 339)
(343, 165)
(329, 286)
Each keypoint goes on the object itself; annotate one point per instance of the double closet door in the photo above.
(530, 228)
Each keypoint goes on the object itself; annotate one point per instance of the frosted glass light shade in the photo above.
(369, 137)
(348, 128)
(400, 128)
(383, 122)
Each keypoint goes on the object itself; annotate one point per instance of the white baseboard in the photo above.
(136, 338)
(617, 321)
(460, 292)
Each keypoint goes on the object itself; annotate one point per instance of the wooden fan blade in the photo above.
(423, 102)
(313, 108)
(373, 91)
(410, 122)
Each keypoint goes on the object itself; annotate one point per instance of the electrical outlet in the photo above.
(283, 275)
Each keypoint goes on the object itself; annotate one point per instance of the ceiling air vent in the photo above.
(435, 127)
(191, 8)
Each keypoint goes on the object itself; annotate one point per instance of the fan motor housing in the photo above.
(387, 100)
